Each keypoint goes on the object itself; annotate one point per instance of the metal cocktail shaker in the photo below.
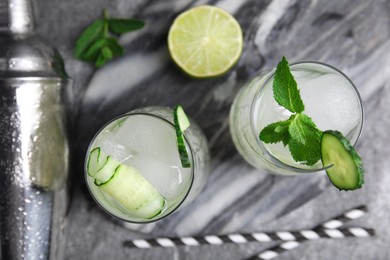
(33, 139)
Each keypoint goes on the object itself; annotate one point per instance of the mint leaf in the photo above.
(107, 53)
(305, 139)
(301, 125)
(90, 35)
(100, 61)
(93, 51)
(96, 45)
(286, 92)
(276, 132)
(120, 26)
(115, 47)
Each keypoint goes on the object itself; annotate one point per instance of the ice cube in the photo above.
(167, 179)
(149, 136)
(331, 101)
(112, 148)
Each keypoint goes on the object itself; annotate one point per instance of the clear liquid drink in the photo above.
(330, 99)
(145, 140)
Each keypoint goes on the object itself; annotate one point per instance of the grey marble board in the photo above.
(350, 35)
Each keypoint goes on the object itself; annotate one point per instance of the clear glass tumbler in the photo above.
(330, 99)
(145, 139)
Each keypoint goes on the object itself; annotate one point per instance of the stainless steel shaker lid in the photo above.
(29, 57)
(22, 54)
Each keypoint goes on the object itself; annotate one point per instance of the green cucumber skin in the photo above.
(105, 169)
(98, 183)
(136, 205)
(98, 150)
(118, 179)
(355, 157)
(183, 120)
(184, 158)
(95, 150)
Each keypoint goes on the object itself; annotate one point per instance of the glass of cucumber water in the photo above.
(330, 99)
(134, 168)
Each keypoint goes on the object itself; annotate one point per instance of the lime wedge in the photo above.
(205, 41)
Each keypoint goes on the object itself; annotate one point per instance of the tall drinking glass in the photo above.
(330, 99)
(149, 181)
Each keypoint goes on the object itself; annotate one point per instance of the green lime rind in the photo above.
(181, 123)
(347, 172)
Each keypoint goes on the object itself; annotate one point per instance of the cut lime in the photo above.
(205, 41)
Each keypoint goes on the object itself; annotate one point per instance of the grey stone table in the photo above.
(351, 35)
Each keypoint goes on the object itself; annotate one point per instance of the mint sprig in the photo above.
(99, 41)
(299, 132)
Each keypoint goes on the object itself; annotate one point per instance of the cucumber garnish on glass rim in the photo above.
(181, 123)
(347, 171)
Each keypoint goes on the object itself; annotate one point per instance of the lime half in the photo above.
(205, 41)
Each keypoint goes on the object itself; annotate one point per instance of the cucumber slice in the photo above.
(347, 171)
(125, 184)
(182, 123)
(107, 171)
(95, 162)
(182, 118)
(133, 192)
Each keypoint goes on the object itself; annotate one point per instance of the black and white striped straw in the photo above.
(329, 227)
(291, 236)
